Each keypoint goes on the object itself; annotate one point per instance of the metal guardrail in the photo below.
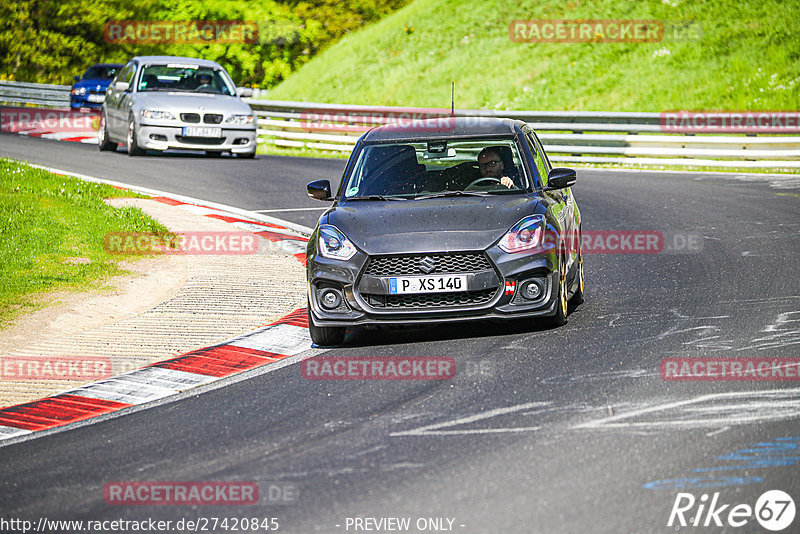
(615, 137)
(34, 94)
(568, 136)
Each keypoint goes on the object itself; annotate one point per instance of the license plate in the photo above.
(199, 131)
(96, 98)
(427, 284)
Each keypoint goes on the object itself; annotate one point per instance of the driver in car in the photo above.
(491, 166)
(205, 82)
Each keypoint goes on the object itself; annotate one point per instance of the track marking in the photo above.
(291, 209)
(762, 406)
(432, 430)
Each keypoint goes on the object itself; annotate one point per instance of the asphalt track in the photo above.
(542, 430)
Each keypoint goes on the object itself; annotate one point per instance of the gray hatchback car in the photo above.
(165, 102)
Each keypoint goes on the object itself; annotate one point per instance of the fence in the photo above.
(568, 136)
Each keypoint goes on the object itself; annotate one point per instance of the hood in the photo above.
(189, 102)
(92, 85)
(432, 225)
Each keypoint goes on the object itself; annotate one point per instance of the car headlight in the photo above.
(334, 244)
(156, 114)
(79, 91)
(239, 119)
(527, 234)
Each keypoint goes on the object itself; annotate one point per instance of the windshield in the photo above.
(100, 73)
(437, 168)
(185, 78)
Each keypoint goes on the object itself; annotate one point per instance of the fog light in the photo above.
(158, 137)
(532, 290)
(330, 299)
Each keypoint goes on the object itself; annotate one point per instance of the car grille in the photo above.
(212, 118)
(453, 263)
(200, 140)
(190, 117)
(435, 300)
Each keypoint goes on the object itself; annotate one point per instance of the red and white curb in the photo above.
(269, 344)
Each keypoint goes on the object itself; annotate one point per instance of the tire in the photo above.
(247, 155)
(560, 317)
(133, 147)
(102, 136)
(325, 335)
(577, 298)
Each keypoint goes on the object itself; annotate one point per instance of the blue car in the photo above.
(89, 90)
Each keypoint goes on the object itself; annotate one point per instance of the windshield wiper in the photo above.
(376, 197)
(443, 194)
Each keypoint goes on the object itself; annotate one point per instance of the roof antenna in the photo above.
(452, 99)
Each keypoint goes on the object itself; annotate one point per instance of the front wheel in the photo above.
(577, 298)
(560, 317)
(102, 135)
(325, 335)
(133, 146)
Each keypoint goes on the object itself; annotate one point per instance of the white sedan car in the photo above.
(163, 102)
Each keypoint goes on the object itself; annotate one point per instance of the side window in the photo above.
(125, 73)
(538, 159)
(129, 76)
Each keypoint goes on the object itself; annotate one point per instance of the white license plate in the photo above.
(427, 284)
(199, 131)
(96, 98)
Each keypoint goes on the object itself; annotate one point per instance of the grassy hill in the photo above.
(737, 55)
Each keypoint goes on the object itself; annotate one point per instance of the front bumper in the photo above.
(497, 291)
(159, 137)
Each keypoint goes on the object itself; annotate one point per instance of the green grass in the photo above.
(270, 149)
(50, 225)
(746, 58)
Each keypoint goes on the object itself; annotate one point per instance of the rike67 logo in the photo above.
(774, 510)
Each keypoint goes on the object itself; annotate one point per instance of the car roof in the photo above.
(444, 127)
(176, 59)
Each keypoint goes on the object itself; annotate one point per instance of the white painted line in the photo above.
(251, 227)
(281, 339)
(291, 209)
(168, 378)
(433, 430)
(120, 389)
(11, 432)
(305, 230)
(200, 210)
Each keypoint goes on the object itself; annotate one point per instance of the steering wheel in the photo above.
(484, 179)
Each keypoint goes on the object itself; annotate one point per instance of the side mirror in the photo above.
(320, 190)
(122, 86)
(77, 78)
(560, 178)
(244, 92)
